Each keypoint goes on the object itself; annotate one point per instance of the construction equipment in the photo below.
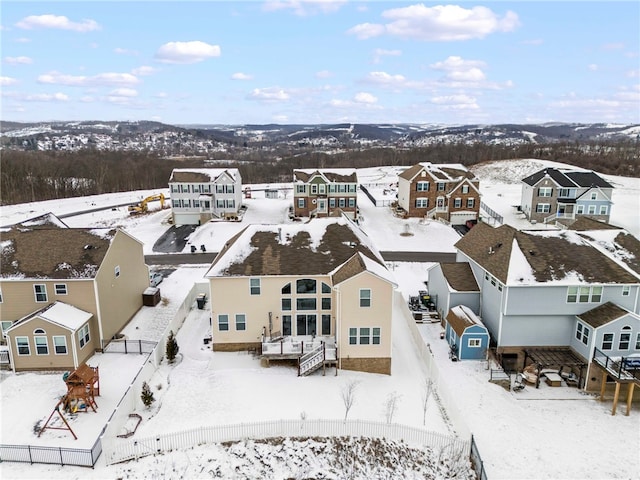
(143, 206)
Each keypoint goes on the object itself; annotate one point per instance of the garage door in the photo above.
(460, 218)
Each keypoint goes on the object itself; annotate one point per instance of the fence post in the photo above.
(125, 347)
(140, 346)
(30, 457)
(61, 459)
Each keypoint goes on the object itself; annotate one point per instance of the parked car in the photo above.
(155, 278)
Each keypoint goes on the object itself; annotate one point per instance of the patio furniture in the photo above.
(553, 379)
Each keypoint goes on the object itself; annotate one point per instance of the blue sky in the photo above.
(233, 62)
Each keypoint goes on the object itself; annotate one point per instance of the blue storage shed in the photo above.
(467, 337)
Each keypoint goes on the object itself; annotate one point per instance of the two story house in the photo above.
(65, 292)
(201, 194)
(325, 193)
(288, 290)
(445, 191)
(552, 194)
(535, 287)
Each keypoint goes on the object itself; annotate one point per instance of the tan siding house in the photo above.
(103, 274)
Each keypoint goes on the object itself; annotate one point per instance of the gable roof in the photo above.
(460, 277)
(568, 178)
(55, 253)
(603, 314)
(202, 175)
(585, 222)
(342, 175)
(524, 258)
(318, 247)
(446, 172)
(461, 317)
(58, 313)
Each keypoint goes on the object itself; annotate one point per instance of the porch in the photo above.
(623, 370)
(312, 352)
(544, 360)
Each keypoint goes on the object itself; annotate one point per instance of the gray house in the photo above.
(535, 285)
(552, 195)
(453, 284)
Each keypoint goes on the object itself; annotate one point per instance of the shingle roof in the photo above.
(460, 276)
(444, 172)
(602, 314)
(59, 313)
(461, 318)
(201, 175)
(569, 178)
(585, 222)
(52, 252)
(551, 256)
(341, 175)
(588, 179)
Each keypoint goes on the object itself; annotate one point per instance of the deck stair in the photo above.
(311, 361)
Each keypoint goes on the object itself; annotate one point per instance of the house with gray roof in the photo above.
(325, 192)
(201, 194)
(452, 284)
(317, 293)
(554, 195)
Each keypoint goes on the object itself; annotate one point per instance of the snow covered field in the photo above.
(545, 433)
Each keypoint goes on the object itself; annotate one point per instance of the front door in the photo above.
(322, 205)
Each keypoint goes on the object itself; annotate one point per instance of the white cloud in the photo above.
(102, 79)
(280, 118)
(18, 60)
(124, 92)
(364, 97)
(304, 8)
(161, 95)
(456, 102)
(241, 76)
(87, 99)
(439, 23)
(592, 67)
(143, 71)
(47, 97)
(270, 94)
(324, 74)
(458, 69)
(57, 22)
(633, 73)
(186, 52)
(378, 53)
(384, 78)
(6, 81)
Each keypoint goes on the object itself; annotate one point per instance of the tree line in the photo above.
(32, 176)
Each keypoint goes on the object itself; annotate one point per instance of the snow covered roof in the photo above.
(461, 317)
(331, 175)
(569, 178)
(59, 313)
(357, 264)
(55, 253)
(44, 220)
(202, 175)
(445, 172)
(550, 257)
(314, 248)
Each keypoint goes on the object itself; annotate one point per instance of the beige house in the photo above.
(318, 293)
(100, 273)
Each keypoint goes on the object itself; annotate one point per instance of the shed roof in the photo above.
(59, 313)
(461, 317)
(460, 277)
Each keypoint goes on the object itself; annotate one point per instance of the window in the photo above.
(6, 324)
(306, 285)
(116, 271)
(603, 209)
(572, 294)
(223, 322)
(465, 189)
(41, 292)
(544, 191)
(592, 209)
(306, 304)
(60, 288)
(83, 335)
(241, 321)
(584, 294)
(301, 189)
(626, 289)
(220, 203)
(543, 208)
(326, 303)
(422, 202)
(39, 331)
(332, 202)
(457, 202)
(596, 294)
(306, 324)
(196, 203)
(314, 189)
(286, 325)
(579, 331)
(286, 304)
(0, 296)
(352, 202)
(23, 345)
(286, 290)
(638, 341)
(365, 297)
(582, 333)
(322, 188)
(353, 336)
(326, 288)
(341, 202)
(580, 209)
(42, 347)
(60, 345)
(440, 186)
(607, 341)
(471, 202)
(254, 286)
(326, 324)
(594, 195)
(474, 343)
(422, 186)
(365, 336)
(375, 336)
(625, 338)
(301, 203)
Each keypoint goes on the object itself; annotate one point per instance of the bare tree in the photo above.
(391, 405)
(348, 394)
(427, 390)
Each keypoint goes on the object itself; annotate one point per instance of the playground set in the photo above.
(83, 385)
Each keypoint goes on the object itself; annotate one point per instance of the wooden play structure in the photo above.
(83, 385)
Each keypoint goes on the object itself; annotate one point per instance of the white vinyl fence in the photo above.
(117, 450)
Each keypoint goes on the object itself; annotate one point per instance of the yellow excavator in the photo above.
(143, 206)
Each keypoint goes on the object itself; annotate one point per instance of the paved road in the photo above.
(199, 257)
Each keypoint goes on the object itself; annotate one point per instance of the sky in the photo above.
(321, 61)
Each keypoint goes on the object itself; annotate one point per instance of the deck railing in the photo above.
(624, 368)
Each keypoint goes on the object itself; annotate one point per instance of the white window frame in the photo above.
(301, 203)
(471, 202)
(441, 187)
(626, 290)
(365, 301)
(543, 208)
(221, 323)
(422, 203)
(457, 203)
(353, 336)
(580, 210)
(625, 333)
(474, 343)
(594, 195)
(603, 210)
(592, 210)
(27, 344)
(545, 192)
(609, 342)
(60, 288)
(55, 347)
(116, 271)
(241, 322)
(254, 286)
(37, 345)
(422, 186)
(314, 189)
(42, 294)
(84, 335)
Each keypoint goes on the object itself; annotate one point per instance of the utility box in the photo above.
(151, 296)
(201, 299)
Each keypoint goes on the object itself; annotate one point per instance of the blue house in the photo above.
(465, 334)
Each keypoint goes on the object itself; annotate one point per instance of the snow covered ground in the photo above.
(545, 433)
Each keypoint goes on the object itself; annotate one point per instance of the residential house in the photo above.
(280, 289)
(533, 285)
(452, 284)
(201, 194)
(552, 194)
(325, 193)
(467, 337)
(448, 192)
(100, 272)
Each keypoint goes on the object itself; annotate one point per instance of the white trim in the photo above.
(66, 347)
